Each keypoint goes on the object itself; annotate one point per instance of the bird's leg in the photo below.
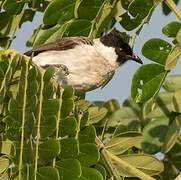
(60, 68)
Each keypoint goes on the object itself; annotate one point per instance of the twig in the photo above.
(58, 119)
(38, 126)
(146, 20)
(23, 120)
(160, 85)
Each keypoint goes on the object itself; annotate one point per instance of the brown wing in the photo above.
(61, 44)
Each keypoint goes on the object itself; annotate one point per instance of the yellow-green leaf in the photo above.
(172, 58)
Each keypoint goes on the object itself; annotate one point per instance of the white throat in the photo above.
(107, 52)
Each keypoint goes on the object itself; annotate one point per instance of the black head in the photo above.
(122, 48)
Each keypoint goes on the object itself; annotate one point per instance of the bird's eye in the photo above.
(119, 51)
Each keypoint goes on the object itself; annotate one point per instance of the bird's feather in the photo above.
(61, 44)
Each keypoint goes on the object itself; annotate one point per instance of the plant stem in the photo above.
(104, 129)
(160, 85)
(58, 119)
(38, 126)
(23, 119)
(146, 20)
(78, 125)
(171, 4)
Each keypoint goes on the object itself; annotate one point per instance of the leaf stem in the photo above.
(171, 4)
(23, 118)
(104, 128)
(146, 20)
(78, 125)
(38, 126)
(58, 120)
(157, 91)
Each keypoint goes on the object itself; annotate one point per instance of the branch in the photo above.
(146, 20)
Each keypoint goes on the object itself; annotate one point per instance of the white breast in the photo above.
(88, 66)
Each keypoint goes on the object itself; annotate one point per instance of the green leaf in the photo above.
(15, 109)
(88, 155)
(140, 8)
(172, 58)
(176, 101)
(47, 172)
(87, 135)
(120, 144)
(154, 135)
(8, 23)
(59, 10)
(49, 150)
(48, 126)
(27, 16)
(125, 3)
(172, 135)
(68, 93)
(146, 82)
(69, 148)
(172, 83)
(166, 10)
(7, 147)
(45, 35)
(4, 164)
(39, 5)
(83, 104)
(5, 42)
(13, 6)
(178, 37)
(124, 116)
(32, 74)
(106, 17)
(49, 73)
(48, 90)
(14, 132)
(69, 169)
(175, 157)
(163, 106)
(67, 107)
(96, 114)
(156, 50)
(78, 27)
(90, 174)
(50, 108)
(145, 163)
(68, 126)
(32, 89)
(129, 23)
(31, 40)
(102, 170)
(112, 105)
(171, 29)
(87, 9)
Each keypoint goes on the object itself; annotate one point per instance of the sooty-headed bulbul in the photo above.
(82, 62)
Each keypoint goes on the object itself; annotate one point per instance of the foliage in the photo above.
(45, 136)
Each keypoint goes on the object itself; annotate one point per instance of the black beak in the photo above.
(136, 58)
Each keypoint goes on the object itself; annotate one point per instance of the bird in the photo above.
(82, 62)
